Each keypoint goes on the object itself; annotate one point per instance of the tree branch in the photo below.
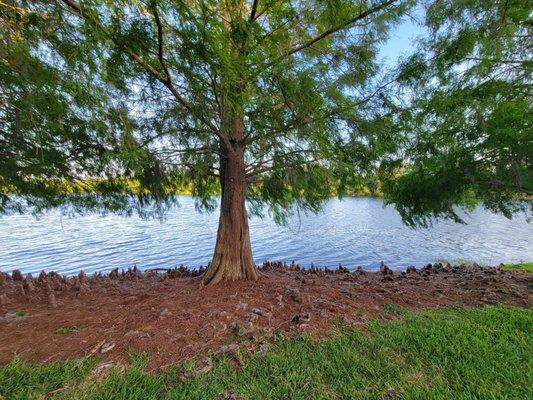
(335, 29)
(160, 42)
(254, 10)
(253, 175)
(163, 78)
(74, 6)
(257, 168)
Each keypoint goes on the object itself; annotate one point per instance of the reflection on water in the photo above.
(355, 231)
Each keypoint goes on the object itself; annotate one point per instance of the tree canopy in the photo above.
(466, 127)
(135, 88)
(97, 91)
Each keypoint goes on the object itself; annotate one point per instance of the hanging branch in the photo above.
(330, 32)
(164, 78)
(337, 28)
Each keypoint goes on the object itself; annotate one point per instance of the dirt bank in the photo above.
(172, 317)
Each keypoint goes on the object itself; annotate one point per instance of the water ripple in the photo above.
(353, 232)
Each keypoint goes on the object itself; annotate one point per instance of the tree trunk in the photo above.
(232, 259)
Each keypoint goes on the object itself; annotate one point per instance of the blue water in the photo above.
(354, 231)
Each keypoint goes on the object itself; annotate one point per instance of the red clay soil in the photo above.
(171, 317)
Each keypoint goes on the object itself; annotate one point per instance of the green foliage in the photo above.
(154, 92)
(63, 330)
(466, 136)
(21, 381)
(527, 267)
(455, 353)
(394, 309)
(111, 91)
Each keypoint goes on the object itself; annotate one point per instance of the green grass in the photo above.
(63, 330)
(524, 266)
(455, 353)
(528, 266)
(20, 381)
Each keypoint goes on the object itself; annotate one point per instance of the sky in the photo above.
(402, 41)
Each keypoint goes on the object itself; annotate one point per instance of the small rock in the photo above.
(252, 317)
(301, 318)
(346, 292)
(241, 329)
(3, 299)
(294, 295)
(106, 347)
(263, 347)
(164, 313)
(103, 368)
(346, 320)
(208, 365)
(220, 327)
(391, 394)
(228, 348)
(262, 313)
(227, 395)
(205, 331)
(186, 376)
(241, 306)
(223, 315)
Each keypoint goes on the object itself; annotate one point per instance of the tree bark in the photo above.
(232, 259)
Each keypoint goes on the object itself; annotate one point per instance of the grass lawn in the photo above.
(528, 266)
(454, 353)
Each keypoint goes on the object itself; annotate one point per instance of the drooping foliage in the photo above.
(467, 131)
(98, 91)
(142, 89)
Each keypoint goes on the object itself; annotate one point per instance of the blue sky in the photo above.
(402, 40)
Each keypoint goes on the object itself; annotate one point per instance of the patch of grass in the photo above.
(21, 381)
(20, 313)
(527, 267)
(63, 330)
(454, 353)
(395, 309)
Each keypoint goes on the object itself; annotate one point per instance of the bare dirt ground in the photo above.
(171, 317)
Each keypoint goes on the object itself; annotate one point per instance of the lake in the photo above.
(353, 232)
